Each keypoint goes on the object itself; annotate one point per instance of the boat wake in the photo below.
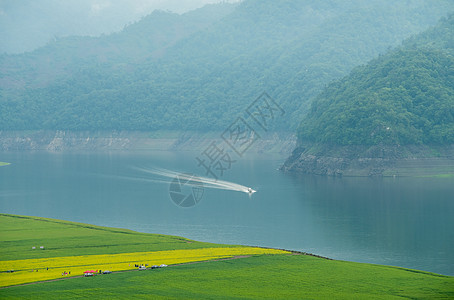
(207, 182)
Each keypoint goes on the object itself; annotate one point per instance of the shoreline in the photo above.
(195, 270)
(186, 240)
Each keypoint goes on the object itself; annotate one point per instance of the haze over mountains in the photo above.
(28, 24)
(200, 70)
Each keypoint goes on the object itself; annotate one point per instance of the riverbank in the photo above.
(278, 275)
(57, 141)
(387, 161)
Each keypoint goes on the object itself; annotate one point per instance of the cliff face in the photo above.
(56, 141)
(417, 160)
(61, 140)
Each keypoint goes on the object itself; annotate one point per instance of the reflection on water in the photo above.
(396, 221)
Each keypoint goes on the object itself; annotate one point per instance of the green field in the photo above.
(63, 238)
(285, 276)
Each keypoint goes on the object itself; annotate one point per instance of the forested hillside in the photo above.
(403, 97)
(200, 70)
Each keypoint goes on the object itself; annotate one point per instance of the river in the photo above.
(406, 222)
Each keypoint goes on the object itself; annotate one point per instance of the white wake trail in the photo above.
(207, 182)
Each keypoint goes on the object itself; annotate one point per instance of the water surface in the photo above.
(405, 222)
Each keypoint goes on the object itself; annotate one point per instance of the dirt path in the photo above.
(122, 271)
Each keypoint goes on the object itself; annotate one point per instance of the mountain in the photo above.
(26, 25)
(403, 97)
(65, 57)
(399, 106)
(167, 72)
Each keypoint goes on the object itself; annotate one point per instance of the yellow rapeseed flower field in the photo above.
(32, 270)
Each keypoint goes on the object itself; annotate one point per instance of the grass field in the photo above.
(260, 276)
(75, 247)
(61, 238)
(32, 270)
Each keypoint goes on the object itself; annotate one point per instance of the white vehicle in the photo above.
(141, 268)
(163, 266)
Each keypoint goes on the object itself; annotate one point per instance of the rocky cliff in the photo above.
(379, 160)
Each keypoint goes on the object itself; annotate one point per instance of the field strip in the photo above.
(133, 270)
(43, 269)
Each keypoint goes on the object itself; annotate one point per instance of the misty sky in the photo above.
(28, 24)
